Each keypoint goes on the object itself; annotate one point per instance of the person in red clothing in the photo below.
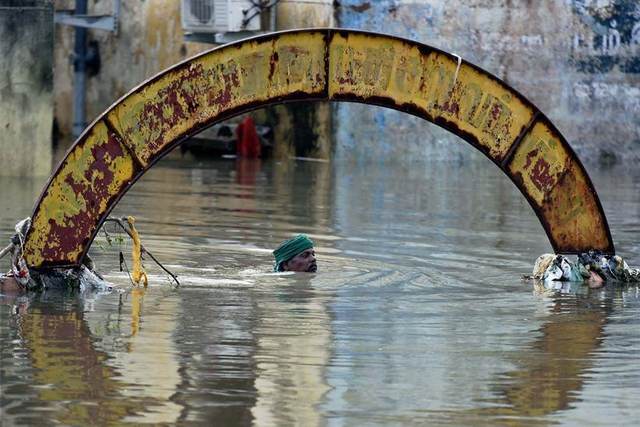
(248, 144)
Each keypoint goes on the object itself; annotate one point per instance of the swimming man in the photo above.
(296, 254)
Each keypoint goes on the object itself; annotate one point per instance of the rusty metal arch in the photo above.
(314, 64)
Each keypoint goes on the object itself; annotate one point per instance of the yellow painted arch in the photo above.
(324, 65)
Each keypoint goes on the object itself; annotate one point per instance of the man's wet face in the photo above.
(303, 262)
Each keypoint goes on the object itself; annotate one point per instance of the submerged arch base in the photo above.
(315, 64)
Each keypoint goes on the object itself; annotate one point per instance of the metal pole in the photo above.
(80, 72)
(272, 16)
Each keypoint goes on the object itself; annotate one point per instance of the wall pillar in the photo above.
(26, 87)
(303, 129)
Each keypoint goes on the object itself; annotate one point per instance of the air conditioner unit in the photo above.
(220, 16)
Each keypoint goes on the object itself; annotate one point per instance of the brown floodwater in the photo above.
(418, 314)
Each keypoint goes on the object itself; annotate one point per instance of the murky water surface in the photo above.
(418, 314)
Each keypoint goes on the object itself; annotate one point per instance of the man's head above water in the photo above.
(296, 254)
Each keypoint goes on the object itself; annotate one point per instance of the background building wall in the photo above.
(26, 92)
(150, 39)
(577, 60)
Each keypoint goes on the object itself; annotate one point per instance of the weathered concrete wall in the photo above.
(577, 60)
(151, 39)
(26, 94)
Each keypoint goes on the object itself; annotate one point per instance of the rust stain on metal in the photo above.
(539, 162)
(485, 110)
(573, 215)
(194, 94)
(560, 191)
(322, 64)
(82, 190)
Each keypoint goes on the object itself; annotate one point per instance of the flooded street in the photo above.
(417, 315)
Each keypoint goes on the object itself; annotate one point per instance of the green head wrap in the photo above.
(290, 248)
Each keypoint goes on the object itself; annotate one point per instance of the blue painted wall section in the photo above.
(365, 133)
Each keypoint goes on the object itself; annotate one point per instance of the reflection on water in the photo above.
(290, 392)
(417, 315)
(549, 373)
(69, 380)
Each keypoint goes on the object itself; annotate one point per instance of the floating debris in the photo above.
(591, 267)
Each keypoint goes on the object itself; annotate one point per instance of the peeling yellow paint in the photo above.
(539, 161)
(461, 97)
(371, 68)
(559, 187)
(573, 214)
(67, 202)
(196, 94)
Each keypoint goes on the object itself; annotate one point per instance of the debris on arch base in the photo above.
(83, 277)
(21, 276)
(592, 268)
